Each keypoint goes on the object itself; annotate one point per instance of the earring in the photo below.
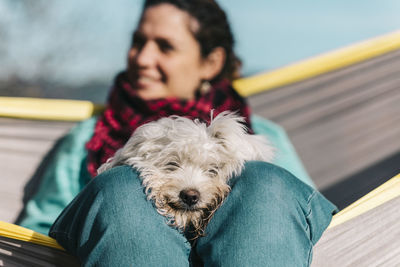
(205, 87)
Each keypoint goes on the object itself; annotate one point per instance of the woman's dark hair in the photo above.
(214, 31)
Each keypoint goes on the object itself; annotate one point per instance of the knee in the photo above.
(265, 181)
(119, 197)
(116, 181)
(117, 187)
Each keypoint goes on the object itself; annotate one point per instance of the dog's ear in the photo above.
(230, 131)
(148, 138)
(225, 124)
(145, 141)
(258, 148)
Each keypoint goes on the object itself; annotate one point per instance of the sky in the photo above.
(79, 41)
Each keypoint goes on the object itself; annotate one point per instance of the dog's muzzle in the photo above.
(189, 196)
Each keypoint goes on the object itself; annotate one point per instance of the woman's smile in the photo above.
(143, 82)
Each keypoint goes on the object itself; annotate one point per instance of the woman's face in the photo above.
(165, 60)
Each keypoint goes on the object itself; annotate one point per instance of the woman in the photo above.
(181, 62)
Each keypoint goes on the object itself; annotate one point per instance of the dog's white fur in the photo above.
(175, 154)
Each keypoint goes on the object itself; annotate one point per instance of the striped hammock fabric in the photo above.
(23, 247)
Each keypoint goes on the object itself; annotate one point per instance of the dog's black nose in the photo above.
(190, 196)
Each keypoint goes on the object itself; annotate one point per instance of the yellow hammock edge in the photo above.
(377, 197)
(382, 194)
(20, 233)
(47, 109)
(319, 65)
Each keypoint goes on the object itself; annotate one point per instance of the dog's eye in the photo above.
(213, 172)
(172, 166)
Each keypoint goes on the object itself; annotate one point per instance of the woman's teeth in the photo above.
(146, 79)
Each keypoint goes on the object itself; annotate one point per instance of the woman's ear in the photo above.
(214, 63)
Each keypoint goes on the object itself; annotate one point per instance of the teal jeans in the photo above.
(270, 218)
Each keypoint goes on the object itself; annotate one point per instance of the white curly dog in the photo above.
(185, 165)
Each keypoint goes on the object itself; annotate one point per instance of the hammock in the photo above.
(357, 228)
(367, 233)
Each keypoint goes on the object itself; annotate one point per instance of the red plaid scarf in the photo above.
(126, 111)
